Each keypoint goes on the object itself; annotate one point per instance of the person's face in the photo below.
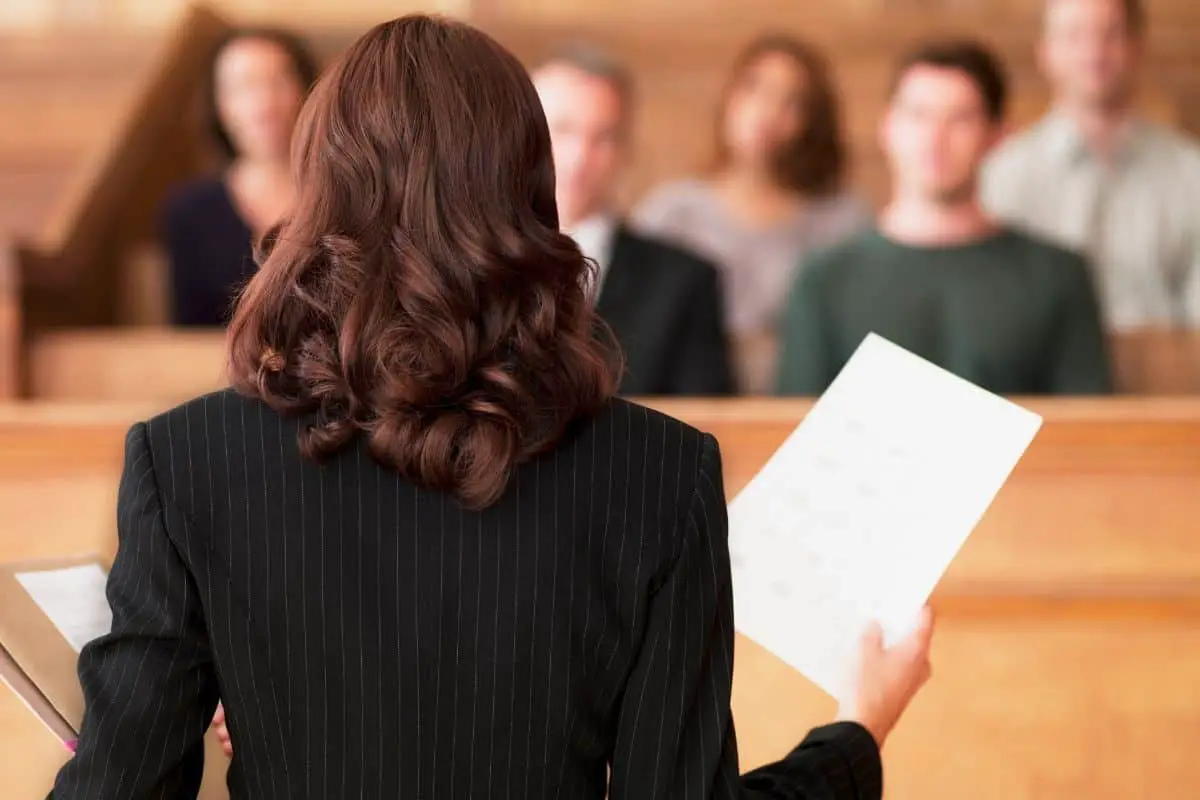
(1088, 52)
(587, 135)
(258, 97)
(936, 133)
(765, 109)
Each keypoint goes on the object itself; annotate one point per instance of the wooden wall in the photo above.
(51, 14)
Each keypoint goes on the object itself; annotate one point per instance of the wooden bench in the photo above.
(1069, 635)
(134, 365)
(164, 365)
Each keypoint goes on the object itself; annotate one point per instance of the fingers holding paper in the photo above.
(887, 678)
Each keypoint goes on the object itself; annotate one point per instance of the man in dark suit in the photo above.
(665, 305)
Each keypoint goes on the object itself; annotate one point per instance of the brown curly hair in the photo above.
(420, 294)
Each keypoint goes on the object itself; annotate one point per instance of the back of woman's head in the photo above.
(421, 294)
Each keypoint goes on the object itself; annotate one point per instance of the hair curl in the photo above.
(421, 294)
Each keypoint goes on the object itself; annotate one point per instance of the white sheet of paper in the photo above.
(861, 510)
(73, 598)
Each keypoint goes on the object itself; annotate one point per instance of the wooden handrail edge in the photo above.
(790, 410)
(11, 325)
(764, 410)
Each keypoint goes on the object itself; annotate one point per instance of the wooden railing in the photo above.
(161, 365)
(10, 324)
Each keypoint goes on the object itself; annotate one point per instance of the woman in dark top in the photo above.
(420, 550)
(258, 81)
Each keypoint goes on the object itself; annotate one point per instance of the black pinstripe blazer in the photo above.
(371, 639)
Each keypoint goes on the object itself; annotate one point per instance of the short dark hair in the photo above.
(597, 63)
(814, 161)
(1135, 15)
(303, 62)
(973, 59)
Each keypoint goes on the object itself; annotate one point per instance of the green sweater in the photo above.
(1010, 313)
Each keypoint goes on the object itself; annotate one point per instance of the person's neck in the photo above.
(262, 191)
(263, 172)
(1101, 127)
(925, 223)
(572, 222)
(749, 181)
(754, 198)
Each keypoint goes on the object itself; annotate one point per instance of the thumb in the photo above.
(917, 642)
(872, 639)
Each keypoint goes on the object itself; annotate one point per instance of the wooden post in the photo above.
(10, 321)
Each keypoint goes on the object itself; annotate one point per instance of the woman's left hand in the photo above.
(218, 724)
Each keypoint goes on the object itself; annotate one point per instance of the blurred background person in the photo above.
(1004, 310)
(664, 304)
(258, 80)
(776, 192)
(1095, 176)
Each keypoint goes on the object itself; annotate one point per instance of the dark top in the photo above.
(1010, 313)
(372, 639)
(666, 308)
(209, 249)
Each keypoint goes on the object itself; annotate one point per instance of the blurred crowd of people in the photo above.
(1003, 258)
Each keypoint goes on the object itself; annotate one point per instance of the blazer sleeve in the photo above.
(675, 736)
(702, 367)
(149, 685)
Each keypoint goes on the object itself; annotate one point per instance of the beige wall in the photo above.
(34, 14)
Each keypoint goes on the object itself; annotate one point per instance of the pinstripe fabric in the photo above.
(374, 640)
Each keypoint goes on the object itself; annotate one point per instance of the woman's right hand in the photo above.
(888, 678)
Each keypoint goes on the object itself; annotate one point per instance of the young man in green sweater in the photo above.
(1009, 312)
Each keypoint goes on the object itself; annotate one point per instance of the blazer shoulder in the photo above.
(180, 438)
(638, 421)
(187, 413)
(657, 254)
(1024, 144)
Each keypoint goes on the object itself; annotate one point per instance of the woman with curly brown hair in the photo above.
(419, 550)
(776, 191)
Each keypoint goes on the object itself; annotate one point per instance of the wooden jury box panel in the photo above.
(1069, 628)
